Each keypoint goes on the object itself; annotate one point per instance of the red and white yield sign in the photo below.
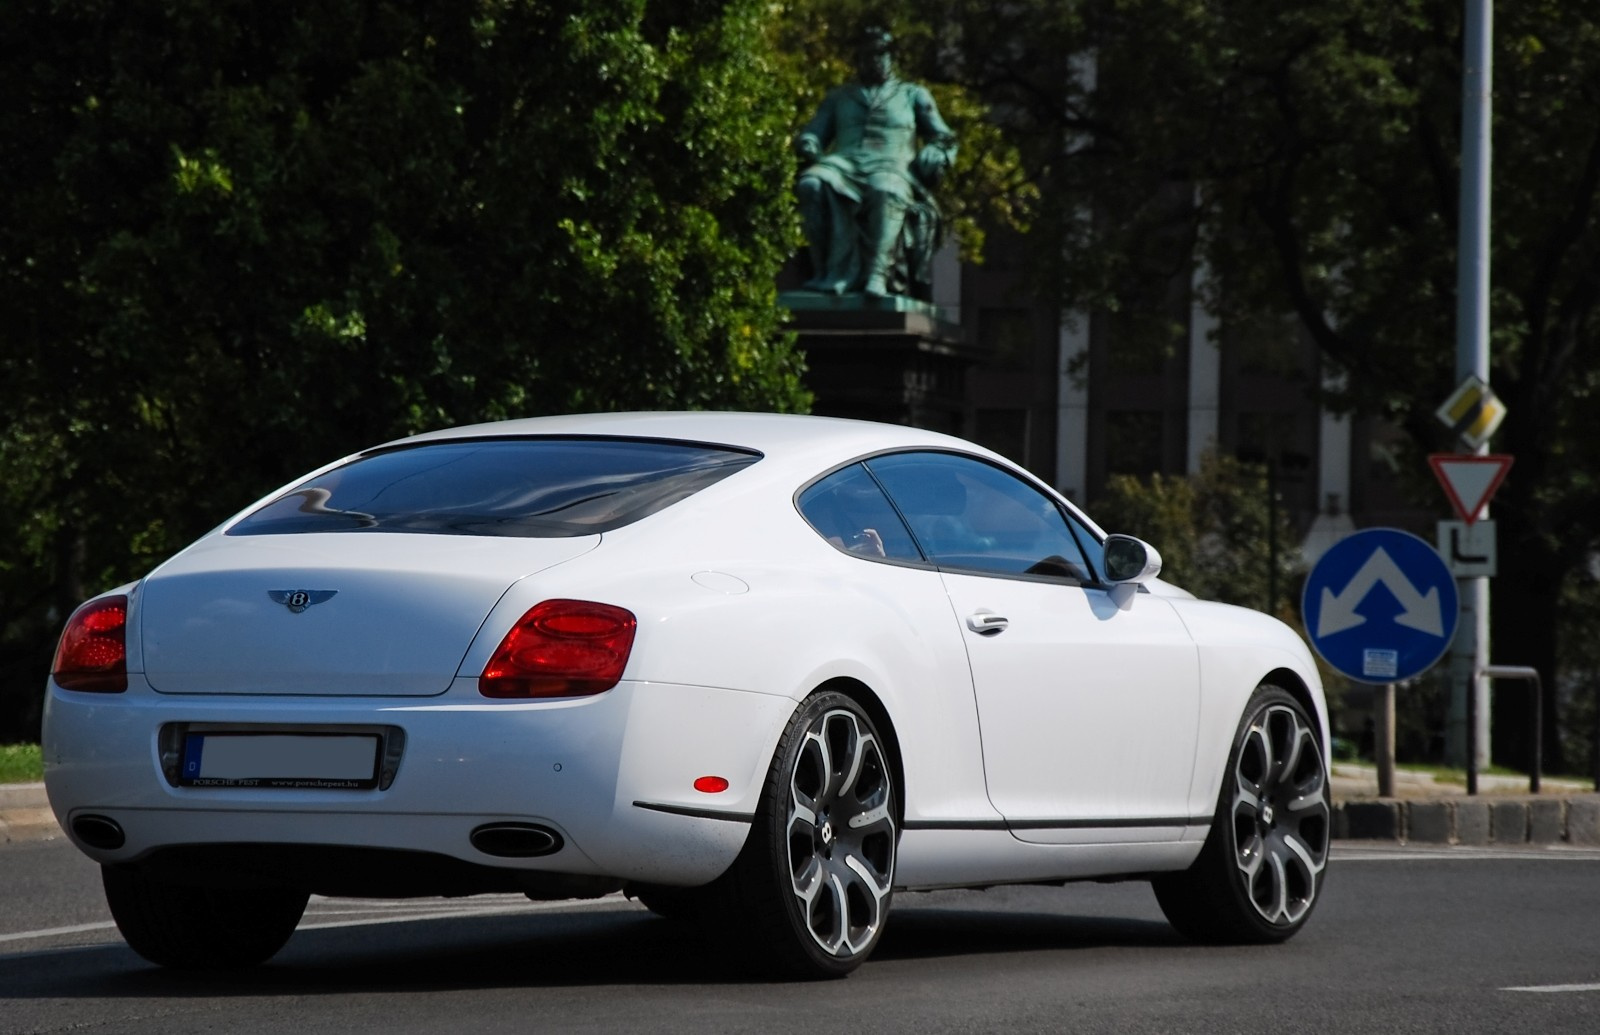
(1469, 480)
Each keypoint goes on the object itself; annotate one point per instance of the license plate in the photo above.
(313, 761)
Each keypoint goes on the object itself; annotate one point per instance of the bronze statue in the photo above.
(865, 197)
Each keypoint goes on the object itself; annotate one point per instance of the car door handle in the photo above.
(987, 623)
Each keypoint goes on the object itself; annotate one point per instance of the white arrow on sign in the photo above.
(1422, 611)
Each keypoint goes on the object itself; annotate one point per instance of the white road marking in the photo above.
(51, 932)
(614, 901)
(397, 912)
(1553, 988)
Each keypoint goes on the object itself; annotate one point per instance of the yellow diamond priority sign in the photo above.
(1473, 412)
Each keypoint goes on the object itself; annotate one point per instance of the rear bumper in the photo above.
(612, 775)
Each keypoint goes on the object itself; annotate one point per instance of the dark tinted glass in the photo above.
(973, 516)
(1124, 558)
(849, 510)
(499, 487)
(1093, 548)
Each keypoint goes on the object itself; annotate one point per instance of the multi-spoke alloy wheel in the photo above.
(1280, 815)
(816, 877)
(841, 833)
(1257, 878)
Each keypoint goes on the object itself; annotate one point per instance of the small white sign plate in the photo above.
(1468, 549)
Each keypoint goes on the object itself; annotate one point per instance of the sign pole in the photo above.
(1470, 652)
(1383, 739)
(1472, 745)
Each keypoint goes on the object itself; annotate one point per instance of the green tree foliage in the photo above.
(1580, 671)
(1220, 533)
(237, 239)
(1307, 153)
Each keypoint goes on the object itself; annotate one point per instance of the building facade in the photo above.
(1056, 392)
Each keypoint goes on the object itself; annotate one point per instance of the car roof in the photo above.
(784, 436)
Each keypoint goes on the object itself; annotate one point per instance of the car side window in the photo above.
(1092, 547)
(849, 510)
(969, 515)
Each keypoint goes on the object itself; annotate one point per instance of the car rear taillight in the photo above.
(93, 653)
(561, 648)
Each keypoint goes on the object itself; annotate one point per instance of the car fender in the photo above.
(1240, 649)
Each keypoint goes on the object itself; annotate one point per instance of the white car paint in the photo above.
(743, 610)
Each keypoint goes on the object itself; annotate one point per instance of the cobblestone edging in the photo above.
(25, 813)
(1471, 821)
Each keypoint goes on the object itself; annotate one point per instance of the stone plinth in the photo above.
(886, 359)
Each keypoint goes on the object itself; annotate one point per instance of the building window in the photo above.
(1269, 438)
(1004, 431)
(1133, 442)
(1007, 335)
(1270, 347)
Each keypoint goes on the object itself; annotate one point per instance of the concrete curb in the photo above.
(1501, 820)
(25, 814)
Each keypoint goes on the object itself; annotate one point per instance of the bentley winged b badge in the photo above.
(297, 600)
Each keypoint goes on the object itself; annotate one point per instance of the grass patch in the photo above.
(21, 763)
(1442, 774)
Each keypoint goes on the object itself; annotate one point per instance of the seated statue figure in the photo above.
(869, 217)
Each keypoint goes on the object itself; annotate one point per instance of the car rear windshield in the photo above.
(542, 487)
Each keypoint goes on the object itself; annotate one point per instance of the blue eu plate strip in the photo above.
(192, 747)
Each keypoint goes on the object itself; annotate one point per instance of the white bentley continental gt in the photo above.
(760, 672)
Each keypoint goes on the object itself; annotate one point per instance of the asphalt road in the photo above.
(1405, 940)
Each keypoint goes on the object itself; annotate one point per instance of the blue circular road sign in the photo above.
(1380, 606)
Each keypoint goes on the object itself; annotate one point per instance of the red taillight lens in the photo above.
(561, 648)
(93, 653)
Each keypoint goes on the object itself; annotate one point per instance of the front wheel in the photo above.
(200, 928)
(810, 892)
(1258, 876)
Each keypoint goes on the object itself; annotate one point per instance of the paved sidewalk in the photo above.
(1355, 780)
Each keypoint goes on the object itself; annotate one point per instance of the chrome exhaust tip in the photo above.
(515, 840)
(99, 832)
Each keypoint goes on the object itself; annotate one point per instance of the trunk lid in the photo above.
(330, 614)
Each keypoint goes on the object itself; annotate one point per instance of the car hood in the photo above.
(331, 614)
(1162, 588)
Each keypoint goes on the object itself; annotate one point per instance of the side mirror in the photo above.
(1129, 563)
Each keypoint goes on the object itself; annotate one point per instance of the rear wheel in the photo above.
(671, 903)
(200, 928)
(1259, 874)
(810, 892)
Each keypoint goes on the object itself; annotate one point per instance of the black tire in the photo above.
(809, 894)
(198, 928)
(675, 904)
(1260, 873)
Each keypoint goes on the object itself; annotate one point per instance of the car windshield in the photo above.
(527, 487)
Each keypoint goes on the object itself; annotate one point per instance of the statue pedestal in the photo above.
(887, 359)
